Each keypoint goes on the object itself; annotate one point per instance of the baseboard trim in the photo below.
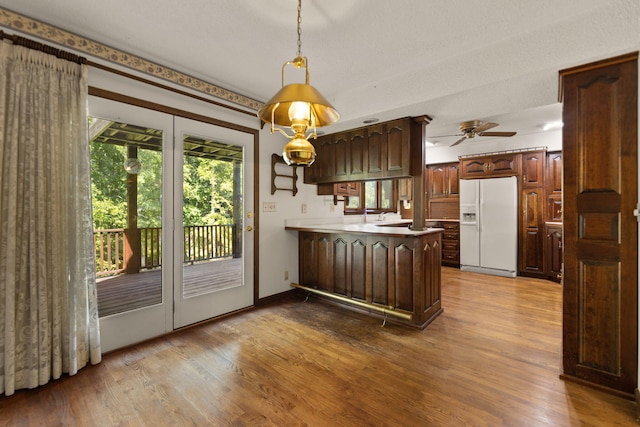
(619, 393)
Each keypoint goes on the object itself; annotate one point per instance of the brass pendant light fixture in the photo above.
(299, 107)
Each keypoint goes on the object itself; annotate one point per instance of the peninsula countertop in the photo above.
(394, 228)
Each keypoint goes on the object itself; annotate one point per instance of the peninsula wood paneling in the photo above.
(600, 116)
(358, 269)
(385, 271)
(340, 266)
(325, 262)
(380, 273)
(404, 259)
(308, 258)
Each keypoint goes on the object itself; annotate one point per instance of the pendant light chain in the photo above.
(299, 28)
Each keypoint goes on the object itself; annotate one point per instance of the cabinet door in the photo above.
(438, 181)
(376, 147)
(533, 168)
(531, 232)
(554, 186)
(312, 173)
(473, 167)
(324, 164)
(554, 207)
(553, 252)
(341, 156)
(453, 179)
(357, 153)
(507, 164)
(397, 149)
(554, 173)
(405, 188)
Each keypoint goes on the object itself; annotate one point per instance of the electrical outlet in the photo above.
(303, 209)
(269, 207)
(286, 275)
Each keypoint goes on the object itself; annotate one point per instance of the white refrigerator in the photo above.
(489, 226)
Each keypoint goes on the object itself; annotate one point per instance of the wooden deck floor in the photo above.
(131, 291)
(491, 359)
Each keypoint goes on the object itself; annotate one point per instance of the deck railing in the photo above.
(201, 243)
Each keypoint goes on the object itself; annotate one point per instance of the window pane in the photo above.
(386, 200)
(354, 203)
(370, 195)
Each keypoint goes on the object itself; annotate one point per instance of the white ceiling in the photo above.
(454, 60)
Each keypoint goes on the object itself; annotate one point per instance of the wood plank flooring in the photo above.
(491, 359)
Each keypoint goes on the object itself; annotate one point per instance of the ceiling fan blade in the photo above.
(458, 141)
(444, 136)
(496, 133)
(484, 126)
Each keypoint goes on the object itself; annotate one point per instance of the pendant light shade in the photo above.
(299, 107)
(278, 106)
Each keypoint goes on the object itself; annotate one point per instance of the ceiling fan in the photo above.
(474, 128)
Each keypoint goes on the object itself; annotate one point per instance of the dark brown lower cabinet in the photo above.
(399, 274)
(553, 251)
(451, 243)
(600, 283)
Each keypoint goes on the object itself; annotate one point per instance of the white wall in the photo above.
(279, 248)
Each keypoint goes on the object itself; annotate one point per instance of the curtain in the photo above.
(48, 304)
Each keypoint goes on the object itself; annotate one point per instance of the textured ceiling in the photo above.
(453, 60)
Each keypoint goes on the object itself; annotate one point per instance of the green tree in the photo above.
(108, 186)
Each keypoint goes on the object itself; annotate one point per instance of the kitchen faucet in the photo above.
(381, 216)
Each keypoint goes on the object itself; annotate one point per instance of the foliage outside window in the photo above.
(378, 197)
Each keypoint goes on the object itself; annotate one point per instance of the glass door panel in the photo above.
(217, 216)
(127, 169)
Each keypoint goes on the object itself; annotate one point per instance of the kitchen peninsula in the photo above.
(386, 269)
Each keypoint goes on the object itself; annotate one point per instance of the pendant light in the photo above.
(299, 107)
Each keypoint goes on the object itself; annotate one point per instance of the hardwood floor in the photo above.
(492, 358)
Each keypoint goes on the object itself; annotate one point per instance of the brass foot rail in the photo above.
(383, 310)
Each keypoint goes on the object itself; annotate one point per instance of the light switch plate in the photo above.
(269, 207)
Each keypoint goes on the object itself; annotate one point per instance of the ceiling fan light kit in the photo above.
(299, 107)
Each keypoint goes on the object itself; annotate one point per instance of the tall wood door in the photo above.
(600, 137)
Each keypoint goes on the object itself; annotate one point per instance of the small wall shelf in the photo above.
(279, 174)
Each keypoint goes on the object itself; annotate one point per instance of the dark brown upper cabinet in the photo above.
(375, 152)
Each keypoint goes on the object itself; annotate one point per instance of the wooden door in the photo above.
(600, 135)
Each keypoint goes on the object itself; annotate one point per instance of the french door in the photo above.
(216, 258)
(173, 214)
